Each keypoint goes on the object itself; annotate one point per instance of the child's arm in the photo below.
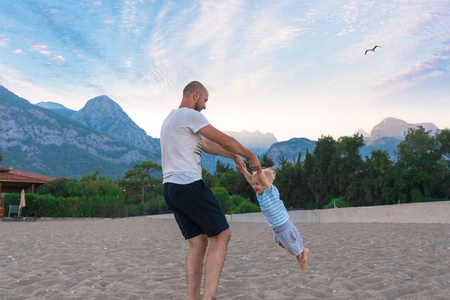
(244, 171)
(264, 180)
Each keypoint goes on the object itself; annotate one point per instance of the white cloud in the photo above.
(38, 47)
(307, 57)
(273, 28)
(45, 52)
(430, 67)
(4, 41)
(134, 17)
(58, 59)
(214, 27)
(128, 63)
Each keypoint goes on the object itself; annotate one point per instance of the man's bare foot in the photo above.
(304, 258)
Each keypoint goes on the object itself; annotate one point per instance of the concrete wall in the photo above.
(431, 212)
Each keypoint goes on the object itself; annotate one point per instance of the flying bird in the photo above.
(373, 49)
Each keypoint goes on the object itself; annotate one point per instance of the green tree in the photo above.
(223, 196)
(207, 177)
(347, 166)
(322, 176)
(285, 181)
(443, 139)
(266, 161)
(308, 164)
(378, 178)
(418, 169)
(292, 183)
(90, 177)
(222, 168)
(140, 176)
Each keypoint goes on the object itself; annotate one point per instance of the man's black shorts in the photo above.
(196, 209)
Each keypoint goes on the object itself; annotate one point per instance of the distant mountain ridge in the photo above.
(106, 116)
(56, 107)
(39, 140)
(396, 128)
(101, 136)
(256, 141)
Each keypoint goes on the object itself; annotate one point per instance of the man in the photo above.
(185, 133)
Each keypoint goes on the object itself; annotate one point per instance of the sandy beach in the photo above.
(143, 258)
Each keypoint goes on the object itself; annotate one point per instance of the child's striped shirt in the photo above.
(272, 207)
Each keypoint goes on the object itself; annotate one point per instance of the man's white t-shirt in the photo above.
(181, 146)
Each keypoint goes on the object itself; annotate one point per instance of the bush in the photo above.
(150, 207)
(155, 206)
(163, 209)
(223, 197)
(134, 210)
(426, 199)
(311, 205)
(60, 207)
(246, 206)
(340, 203)
(416, 195)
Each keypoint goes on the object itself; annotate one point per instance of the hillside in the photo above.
(106, 116)
(38, 140)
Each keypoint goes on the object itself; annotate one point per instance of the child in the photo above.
(284, 231)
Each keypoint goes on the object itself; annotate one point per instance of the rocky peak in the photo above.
(362, 132)
(106, 116)
(254, 140)
(392, 127)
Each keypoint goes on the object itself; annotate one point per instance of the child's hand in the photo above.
(241, 168)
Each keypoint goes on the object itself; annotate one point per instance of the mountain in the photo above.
(291, 149)
(362, 132)
(386, 135)
(396, 128)
(384, 143)
(39, 140)
(106, 116)
(256, 141)
(56, 107)
(101, 136)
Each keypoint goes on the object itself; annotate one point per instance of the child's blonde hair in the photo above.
(270, 174)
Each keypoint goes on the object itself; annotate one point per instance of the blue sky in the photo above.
(292, 68)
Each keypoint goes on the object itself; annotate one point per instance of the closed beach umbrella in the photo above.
(22, 201)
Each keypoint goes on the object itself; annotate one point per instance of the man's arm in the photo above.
(229, 146)
(215, 149)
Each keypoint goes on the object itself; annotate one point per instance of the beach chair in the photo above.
(14, 210)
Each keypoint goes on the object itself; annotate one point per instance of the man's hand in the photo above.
(239, 163)
(255, 165)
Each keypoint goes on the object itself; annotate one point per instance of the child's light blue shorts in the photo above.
(289, 236)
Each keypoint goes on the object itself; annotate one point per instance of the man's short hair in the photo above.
(192, 87)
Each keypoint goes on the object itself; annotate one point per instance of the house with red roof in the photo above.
(14, 181)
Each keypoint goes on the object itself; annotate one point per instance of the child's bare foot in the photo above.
(303, 259)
